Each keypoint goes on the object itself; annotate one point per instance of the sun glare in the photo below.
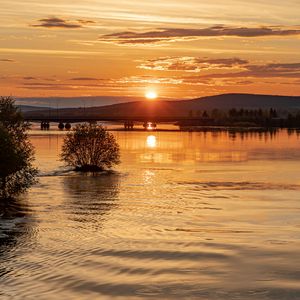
(151, 141)
(151, 95)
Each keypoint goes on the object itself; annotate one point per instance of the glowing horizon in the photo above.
(183, 50)
(151, 95)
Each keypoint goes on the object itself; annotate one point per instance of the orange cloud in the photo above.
(7, 60)
(175, 34)
(191, 64)
(54, 22)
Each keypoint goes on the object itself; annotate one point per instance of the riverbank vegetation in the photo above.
(243, 118)
(16, 152)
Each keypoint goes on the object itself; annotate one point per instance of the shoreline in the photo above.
(184, 129)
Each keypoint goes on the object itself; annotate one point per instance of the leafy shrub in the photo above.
(90, 148)
(16, 152)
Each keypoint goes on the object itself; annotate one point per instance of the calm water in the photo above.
(185, 216)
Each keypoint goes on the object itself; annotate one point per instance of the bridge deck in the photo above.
(75, 119)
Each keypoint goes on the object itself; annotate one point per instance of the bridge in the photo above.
(127, 121)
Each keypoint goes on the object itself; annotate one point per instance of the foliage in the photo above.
(244, 117)
(16, 152)
(90, 148)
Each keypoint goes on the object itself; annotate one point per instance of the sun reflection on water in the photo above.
(151, 141)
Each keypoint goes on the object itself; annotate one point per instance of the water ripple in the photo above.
(239, 185)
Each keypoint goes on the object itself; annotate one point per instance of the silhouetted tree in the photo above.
(198, 113)
(241, 112)
(216, 113)
(233, 113)
(205, 114)
(90, 148)
(273, 113)
(16, 152)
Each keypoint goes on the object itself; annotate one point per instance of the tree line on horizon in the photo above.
(244, 117)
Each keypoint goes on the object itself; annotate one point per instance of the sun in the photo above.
(151, 95)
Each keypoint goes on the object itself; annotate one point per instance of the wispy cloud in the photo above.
(290, 71)
(176, 34)
(215, 67)
(48, 51)
(241, 72)
(37, 84)
(191, 64)
(54, 22)
(84, 79)
(85, 22)
(7, 60)
(149, 80)
(30, 78)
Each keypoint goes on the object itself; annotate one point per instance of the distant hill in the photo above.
(69, 102)
(29, 108)
(183, 107)
(247, 101)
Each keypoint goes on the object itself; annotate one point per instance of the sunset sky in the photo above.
(179, 49)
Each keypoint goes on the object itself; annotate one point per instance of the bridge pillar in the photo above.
(128, 125)
(68, 126)
(45, 125)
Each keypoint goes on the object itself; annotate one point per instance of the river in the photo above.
(186, 215)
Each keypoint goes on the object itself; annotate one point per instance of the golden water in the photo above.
(184, 216)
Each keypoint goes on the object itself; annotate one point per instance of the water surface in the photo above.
(185, 216)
